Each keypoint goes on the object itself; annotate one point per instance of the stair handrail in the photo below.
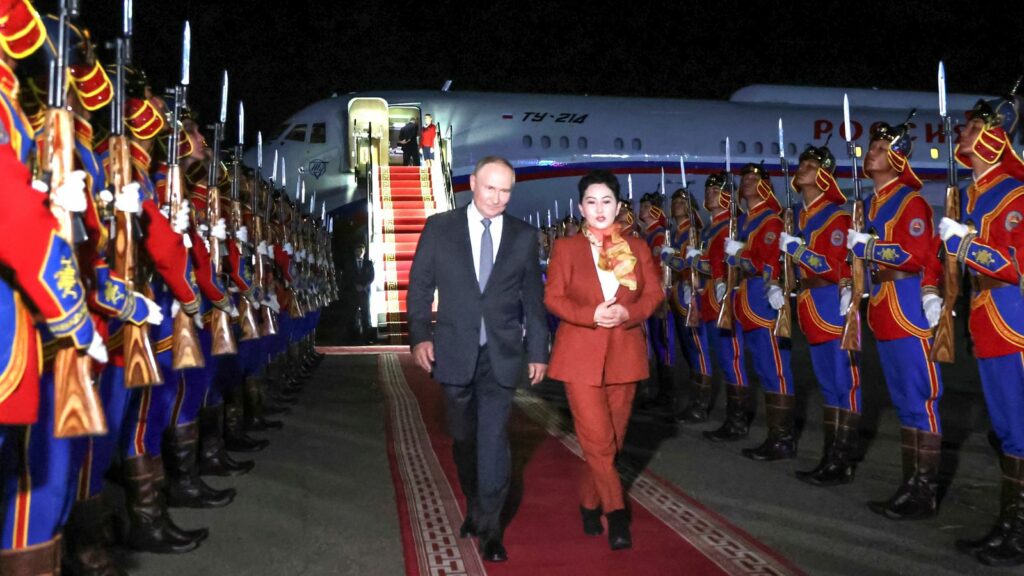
(446, 167)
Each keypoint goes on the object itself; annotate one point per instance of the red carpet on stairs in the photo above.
(672, 533)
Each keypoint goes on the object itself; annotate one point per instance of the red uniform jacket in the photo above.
(584, 353)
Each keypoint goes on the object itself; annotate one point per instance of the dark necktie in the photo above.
(486, 264)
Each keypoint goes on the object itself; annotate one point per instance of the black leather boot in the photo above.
(90, 536)
(840, 461)
(185, 488)
(737, 417)
(591, 521)
(39, 560)
(1007, 510)
(214, 459)
(235, 438)
(619, 537)
(700, 401)
(829, 424)
(917, 496)
(1010, 550)
(781, 441)
(151, 529)
(254, 420)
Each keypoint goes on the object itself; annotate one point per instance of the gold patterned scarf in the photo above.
(614, 254)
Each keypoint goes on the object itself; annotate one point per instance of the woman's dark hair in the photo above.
(599, 177)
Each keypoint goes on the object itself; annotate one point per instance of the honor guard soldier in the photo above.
(900, 247)
(987, 240)
(660, 333)
(820, 249)
(728, 346)
(693, 340)
(756, 252)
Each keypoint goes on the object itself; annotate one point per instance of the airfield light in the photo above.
(934, 153)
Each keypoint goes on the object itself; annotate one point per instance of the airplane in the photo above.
(551, 140)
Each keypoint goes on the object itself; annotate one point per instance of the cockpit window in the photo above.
(297, 134)
(318, 135)
(277, 133)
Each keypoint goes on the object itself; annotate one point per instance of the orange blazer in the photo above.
(584, 353)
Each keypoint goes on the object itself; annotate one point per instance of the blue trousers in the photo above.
(694, 343)
(150, 410)
(193, 385)
(728, 352)
(771, 360)
(101, 450)
(838, 375)
(1002, 379)
(915, 382)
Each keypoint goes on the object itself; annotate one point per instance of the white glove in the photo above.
(853, 238)
(301, 255)
(932, 306)
(128, 200)
(687, 294)
(261, 249)
(720, 291)
(786, 239)
(692, 253)
(180, 221)
(175, 308)
(733, 247)
(289, 249)
(40, 186)
(949, 228)
(242, 234)
(198, 319)
(255, 304)
(97, 350)
(844, 300)
(155, 316)
(233, 312)
(273, 303)
(71, 194)
(219, 230)
(775, 297)
(105, 196)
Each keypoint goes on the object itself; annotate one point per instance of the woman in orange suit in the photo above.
(602, 286)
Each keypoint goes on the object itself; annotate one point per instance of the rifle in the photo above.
(77, 408)
(851, 330)
(185, 349)
(250, 330)
(726, 314)
(268, 325)
(294, 306)
(693, 306)
(784, 321)
(223, 338)
(140, 366)
(943, 347)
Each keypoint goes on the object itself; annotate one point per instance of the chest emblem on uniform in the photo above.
(112, 293)
(67, 278)
(984, 257)
(769, 238)
(838, 237)
(888, 254)
(814, 262)
(1012, 220)
(916, 227)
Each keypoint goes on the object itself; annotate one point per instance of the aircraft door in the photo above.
(368, 134)
(398, 117)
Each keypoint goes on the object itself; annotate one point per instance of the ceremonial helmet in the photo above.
(718, 179)
(900, 148)
(655, 213)
(765, 190)
(141, 117)
(626, 219)
(1002, 123)
(684, 195)
(88, 79)
(569, 219)
(21, 29)
(825, 177)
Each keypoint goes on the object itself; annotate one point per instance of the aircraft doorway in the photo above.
(398, 117)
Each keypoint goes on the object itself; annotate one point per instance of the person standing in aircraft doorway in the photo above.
(407, 139)
(427, 137)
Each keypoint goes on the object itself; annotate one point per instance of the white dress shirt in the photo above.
(476, 231)
(609, 283)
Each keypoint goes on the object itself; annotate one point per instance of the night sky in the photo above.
(284, 55)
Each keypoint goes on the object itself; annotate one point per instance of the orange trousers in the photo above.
(600, 416)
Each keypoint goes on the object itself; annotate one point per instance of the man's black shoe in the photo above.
(468, 528)
(493, 551)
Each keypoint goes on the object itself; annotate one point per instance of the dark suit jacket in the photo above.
(584, 353)
(512, 304)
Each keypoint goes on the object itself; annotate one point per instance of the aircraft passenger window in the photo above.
(298, 134)
(277, 133)
(792, 149)
(527, 141)
(581, 143)
(741, 147)
(637, 145)
(545, 142)
(563, 142)
(619, 144)
(318, 135)
(758, 148)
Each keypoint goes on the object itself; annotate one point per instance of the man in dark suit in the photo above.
(490, 325)
(357, 276)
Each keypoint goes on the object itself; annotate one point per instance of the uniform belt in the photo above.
(890, 275)
(988, 282)
(815, 282)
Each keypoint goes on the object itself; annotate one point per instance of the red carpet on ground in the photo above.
(672, 533)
